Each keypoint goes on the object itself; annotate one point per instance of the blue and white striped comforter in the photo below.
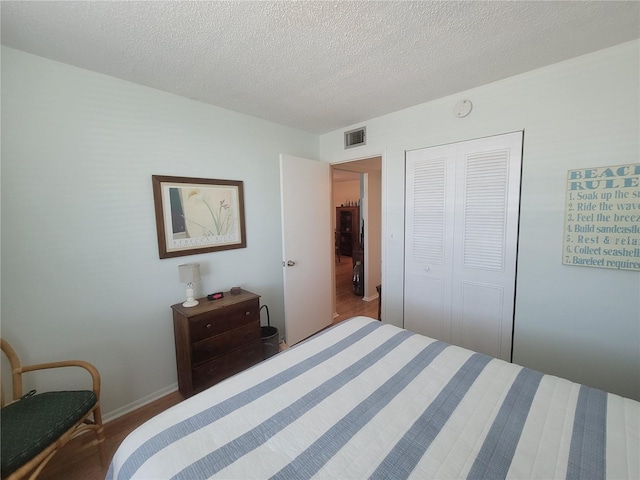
(367, 400)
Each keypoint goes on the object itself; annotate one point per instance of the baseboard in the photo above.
(119, 412)
(370, 299)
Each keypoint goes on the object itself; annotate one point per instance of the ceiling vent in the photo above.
(355, 138)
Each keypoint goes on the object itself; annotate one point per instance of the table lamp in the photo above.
(189, 273)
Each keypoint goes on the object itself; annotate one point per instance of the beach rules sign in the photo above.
(602, 217)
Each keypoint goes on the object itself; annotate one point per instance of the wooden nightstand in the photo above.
(216, 339)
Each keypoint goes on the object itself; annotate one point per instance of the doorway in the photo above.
(357, 200)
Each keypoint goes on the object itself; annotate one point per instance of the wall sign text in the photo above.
(602, 217)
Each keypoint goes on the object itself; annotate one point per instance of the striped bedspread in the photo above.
(367, 400)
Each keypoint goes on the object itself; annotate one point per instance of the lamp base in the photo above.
(191, 302)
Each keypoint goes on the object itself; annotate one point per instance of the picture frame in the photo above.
(198, 215)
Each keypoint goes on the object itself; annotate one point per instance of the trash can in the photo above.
(269, 336)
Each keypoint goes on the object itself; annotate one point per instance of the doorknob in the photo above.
(291, 263)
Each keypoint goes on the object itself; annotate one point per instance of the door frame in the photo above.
(383, 219)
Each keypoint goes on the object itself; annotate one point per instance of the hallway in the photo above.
(347, 304)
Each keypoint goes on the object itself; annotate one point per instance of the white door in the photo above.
(461, 242)
(430, 195)
(307, 246)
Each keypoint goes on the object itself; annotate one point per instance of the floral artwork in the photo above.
(198, 215)
(203, 214)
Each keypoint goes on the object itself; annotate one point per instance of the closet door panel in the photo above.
(486, 225)
(425, 314)
(430, 191)
(483, 211)
(480, 317)
(462, 213)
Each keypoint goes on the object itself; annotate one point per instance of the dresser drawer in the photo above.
(225, 342)
(245, 357)
(216, 339)
(214, 322)
(216, 370)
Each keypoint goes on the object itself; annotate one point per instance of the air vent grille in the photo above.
(355, 138)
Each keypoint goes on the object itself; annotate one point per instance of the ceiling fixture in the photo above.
(462, 108)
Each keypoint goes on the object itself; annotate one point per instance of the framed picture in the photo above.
(198, 215)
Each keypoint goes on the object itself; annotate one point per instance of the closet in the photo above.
(461, 236)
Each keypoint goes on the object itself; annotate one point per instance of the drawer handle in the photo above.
(208, 325)
(248, 335)
(209, 348)
(211, 372)
(247, 313)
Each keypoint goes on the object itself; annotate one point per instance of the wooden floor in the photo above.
(347, 304)
(71, 464)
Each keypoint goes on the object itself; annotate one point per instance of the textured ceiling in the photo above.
(321, 65)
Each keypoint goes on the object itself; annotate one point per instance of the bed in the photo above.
(368, 400)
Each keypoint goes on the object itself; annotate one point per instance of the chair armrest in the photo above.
(93, 371)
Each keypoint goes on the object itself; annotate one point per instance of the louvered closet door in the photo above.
(461, 242)
(429, 228)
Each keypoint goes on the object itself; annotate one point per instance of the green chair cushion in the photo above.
(29, 425)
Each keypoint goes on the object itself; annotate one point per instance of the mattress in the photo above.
(368, 400)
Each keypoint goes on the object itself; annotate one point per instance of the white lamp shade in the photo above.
(189, 272)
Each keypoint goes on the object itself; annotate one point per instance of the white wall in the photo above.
(343, 191)
(81, 275)
(577, 322)
(373, 233)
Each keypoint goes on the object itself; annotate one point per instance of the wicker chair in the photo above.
(35, 426)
